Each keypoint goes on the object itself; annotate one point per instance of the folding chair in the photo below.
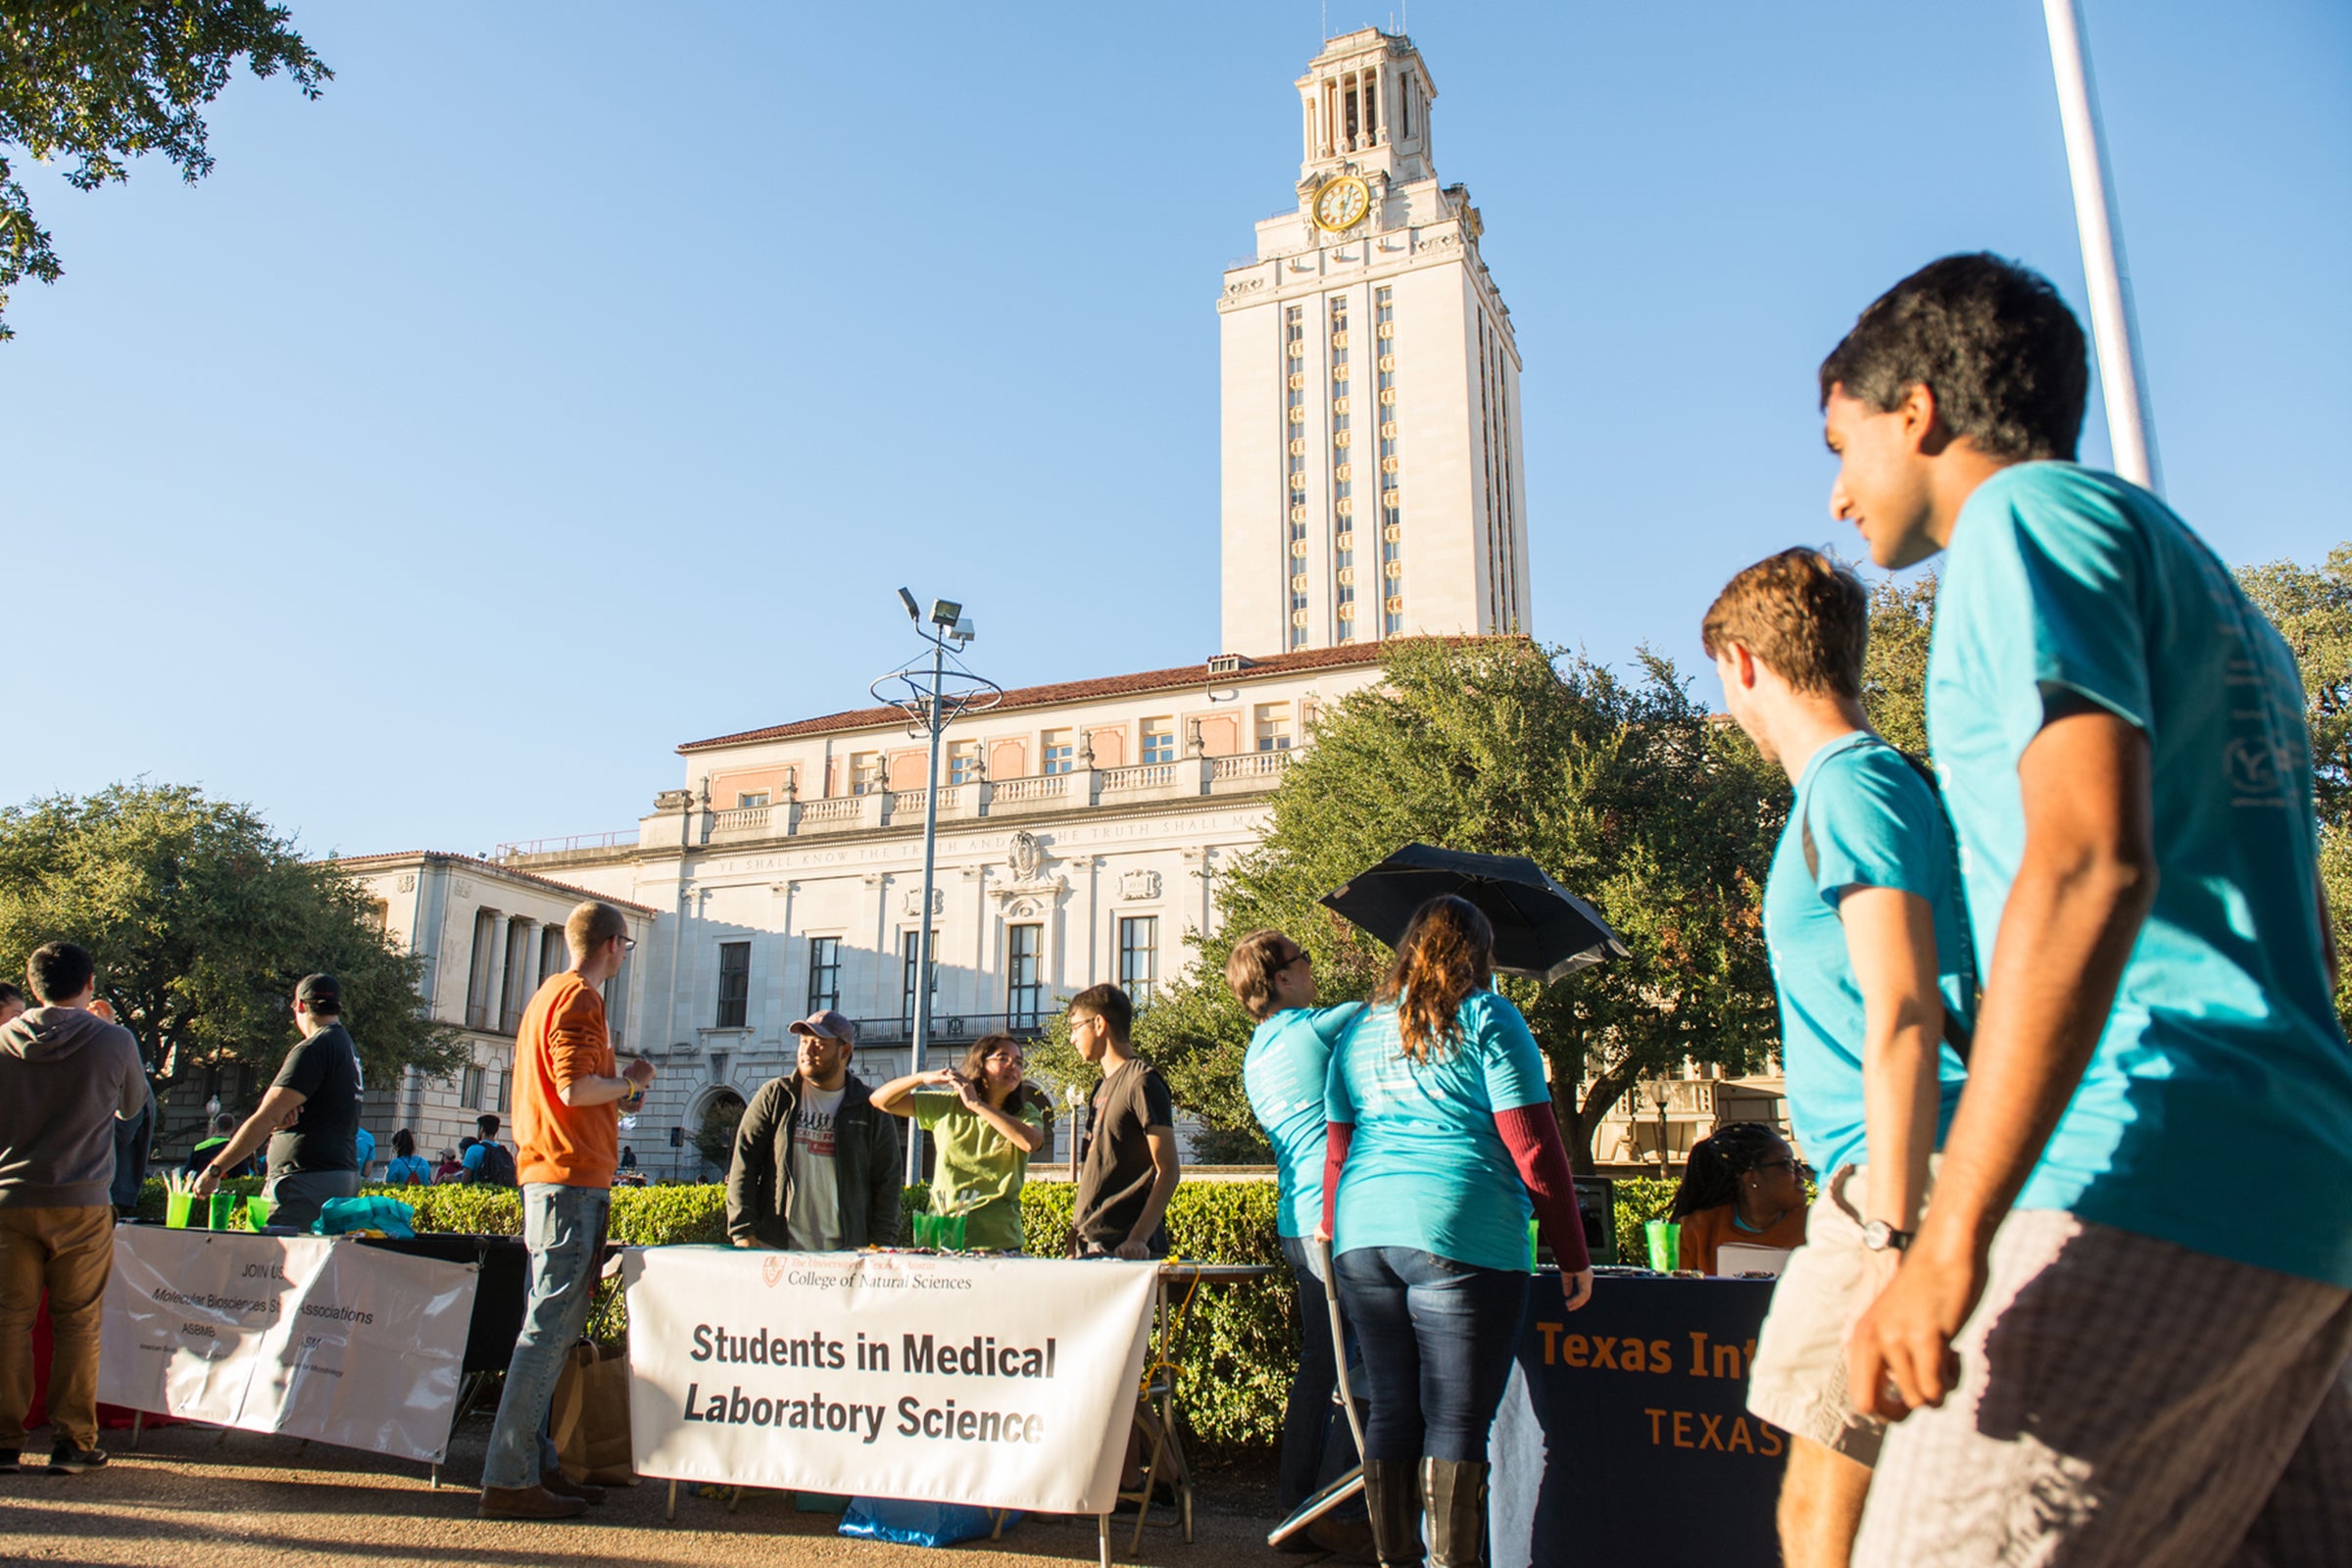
(1352, 1483)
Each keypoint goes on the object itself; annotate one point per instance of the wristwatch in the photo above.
(1880, 1237)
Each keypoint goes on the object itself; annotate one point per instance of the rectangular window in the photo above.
(907, 958)
(506, 1086)
(865, 773)
(1025, 992)
(963, 761)
(470, 1088)
(825, 973)
(553, 954)
(1139, 955)
(750, 798)
(616, 1001)
(1273, 726)
(1061, 751)
(1159, 740)
(734, 984)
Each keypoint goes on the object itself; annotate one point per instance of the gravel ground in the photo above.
(190, 1497)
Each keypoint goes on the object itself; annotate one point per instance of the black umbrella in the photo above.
(1541, 928)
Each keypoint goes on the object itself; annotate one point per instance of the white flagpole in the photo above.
(2114, 323)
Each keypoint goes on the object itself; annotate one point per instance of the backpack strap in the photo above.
(1956, 1034)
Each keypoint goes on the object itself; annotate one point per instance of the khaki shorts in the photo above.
(1798, 1380)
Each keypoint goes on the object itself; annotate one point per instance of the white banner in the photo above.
(1009, 1383)
(322, 1339)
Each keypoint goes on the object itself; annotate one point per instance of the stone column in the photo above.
(494, 991)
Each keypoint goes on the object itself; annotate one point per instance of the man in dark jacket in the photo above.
(68, 1077)
(815, 1166)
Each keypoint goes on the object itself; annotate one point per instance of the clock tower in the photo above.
(1371, 445)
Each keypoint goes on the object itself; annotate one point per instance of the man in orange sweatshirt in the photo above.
(568, 1106)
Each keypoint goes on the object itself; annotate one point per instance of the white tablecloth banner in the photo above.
(1009, 1383)
(320, 1339)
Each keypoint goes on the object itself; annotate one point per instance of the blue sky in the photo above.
(575, 381)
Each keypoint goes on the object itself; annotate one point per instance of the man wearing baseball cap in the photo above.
(815, 1166)
(310, 1114)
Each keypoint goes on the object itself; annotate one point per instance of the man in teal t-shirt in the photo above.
(1870, 954)
(2115, 1340)
(1284, 1074)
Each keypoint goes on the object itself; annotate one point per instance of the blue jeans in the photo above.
(564, 1229)
(1438, 1339)
(1316, 1447)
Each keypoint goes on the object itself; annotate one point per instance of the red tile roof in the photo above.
(364, 862)
(1070, 691)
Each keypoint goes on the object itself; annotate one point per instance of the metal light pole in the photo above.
(933, 693)
(2113, 322)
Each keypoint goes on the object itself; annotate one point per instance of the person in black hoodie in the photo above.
(68, 1076)
(815, 1166)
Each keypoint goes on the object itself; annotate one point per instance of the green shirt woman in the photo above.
(987, 1122)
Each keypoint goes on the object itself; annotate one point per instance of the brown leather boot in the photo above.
(1393, 1496)
(563, 1485)
(1456, 1493)
(529, 1502)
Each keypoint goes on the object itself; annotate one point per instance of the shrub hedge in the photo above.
(1238, 1341)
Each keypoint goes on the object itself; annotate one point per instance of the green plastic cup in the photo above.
(256, 1212)
(224, 1204)
(175, 1209)
(950, 1233)
(1665, 1244)
(924, 1230)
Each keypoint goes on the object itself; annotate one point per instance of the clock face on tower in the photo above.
(1342, 204)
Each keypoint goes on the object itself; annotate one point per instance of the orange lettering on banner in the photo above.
(1661, 1356)
(1572, 1349)
(1551, 1332)
(1699, 1354)
(1703, 1429)
(1726, 1361)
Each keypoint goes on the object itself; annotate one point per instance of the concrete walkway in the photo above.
(188, 1499)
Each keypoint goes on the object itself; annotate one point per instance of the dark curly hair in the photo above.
(1711, 1178)
(1991, 339)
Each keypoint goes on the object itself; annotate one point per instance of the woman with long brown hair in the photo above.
(1442, 1144)
(987, 1122)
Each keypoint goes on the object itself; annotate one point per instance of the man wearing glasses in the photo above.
(569, 1102)
(1284, 1074)
(1864, 920)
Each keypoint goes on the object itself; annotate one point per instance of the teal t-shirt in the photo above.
(2217, 1109)
(1285, 1073)
(1426, 1167)
(1875, 823)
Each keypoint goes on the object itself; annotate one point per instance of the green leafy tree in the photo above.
(99, 83)
(1894, 669)
(2313, 611)
(202, 920)
(1628, 792)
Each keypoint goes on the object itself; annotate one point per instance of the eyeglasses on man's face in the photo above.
(1301, 956)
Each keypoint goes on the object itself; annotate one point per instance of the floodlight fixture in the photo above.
(912, 613)
(963, 631)
(945, 612)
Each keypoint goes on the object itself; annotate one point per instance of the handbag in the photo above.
(589, 1417)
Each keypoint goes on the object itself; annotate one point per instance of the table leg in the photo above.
(672, 1516)
(1103, 1540)
(138, 1419)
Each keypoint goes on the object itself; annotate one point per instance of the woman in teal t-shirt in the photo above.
(987, 1122)
(1442, 1142)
